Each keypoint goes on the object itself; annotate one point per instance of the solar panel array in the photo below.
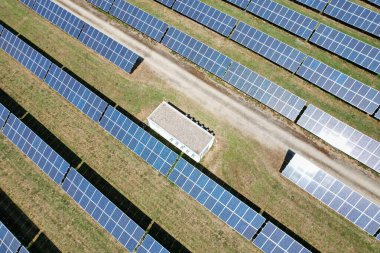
(283, 17)
(347, 47)
(4, 113)
(272, 239)
(108, 48)
(8, 242)
(105, 5)
(355, 15)
(59, 17)
(318, 5)
(240, 3)
(28, 3)
(150, 245)
(265, 91)
(25, 54)
(36, 149)
(197, 52)
(206, 15)
(341, 136)
(267, 46)
(146, 146)
(341, 198)
(216, 199)
(168, 3)
(139, 19)
(76, 93)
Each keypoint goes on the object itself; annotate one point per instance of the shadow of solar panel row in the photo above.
(216, 199)
(139, 19)
(344, 87)
(8, 242)
(4, 113)
(36, 149)
(272, 239)
(354, 50)
(341, 136)
(167, 3)
(151, 245)
(108, 48)
(146, 146)
(283, 17)
(206, 15)
(318, 5)
(76, 93)
(23, 53)
(239, 3)
(264, 91)
(197, 52)
(335, 194)
(105, 5)
(267, 46)
(354, 15)
(102, 210)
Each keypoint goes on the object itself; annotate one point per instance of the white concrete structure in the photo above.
(181, 131)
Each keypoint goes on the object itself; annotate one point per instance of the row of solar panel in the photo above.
(8, 242)
(88, 35)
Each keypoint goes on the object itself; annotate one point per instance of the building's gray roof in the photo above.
(181, 127)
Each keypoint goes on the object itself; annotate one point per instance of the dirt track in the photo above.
(250, 121)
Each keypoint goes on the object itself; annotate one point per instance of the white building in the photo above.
(181, 131)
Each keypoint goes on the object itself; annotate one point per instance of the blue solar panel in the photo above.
(76, 93)
(355, 15)
(377, 115)
(59, 17)
(1, 29)
(8, 242)
(108, 48)
(23, 250)
(344, 87)
(216, 199)
(272, 239)
(265, 91)
(347, 47)
(28, 3)
(283, 17)
(139, 19)
(240, 3)
(36, 149)
(377, 3)
(378, 237)
(197, 52)
(23, 53)
(168, 3)
(4, 113)
(269, 47)
(105, 5)
(151, 150)
(150, 245)
(102, 210)
(206, 15)
(335, 194)
(318, 5)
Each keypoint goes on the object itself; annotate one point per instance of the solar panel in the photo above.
(265, 91)
(23, 250)
(341, 136)
(206, 15)
(28, 3)
(4, 113)
(25, 54)
(377, 115)
(347, 47)
(375, 2)
(318, 5)
(8, 242)
(108, 48)
(76, 93)
(102, 210)
(273, 239)
(344, 87)
(59, 17)
(282, 16)
(355, 15)
(378, 237)
(269, 47)
(216, 199)
(197, 52)
(1, 29)
(105, 5)
(168, 3)
(146, 146)
(335, 194)
(36, 149)
(150, 245)
(239, 3)
(139, 19)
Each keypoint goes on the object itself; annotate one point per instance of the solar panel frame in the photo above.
(338, 196)
(197, 52)
(24, 54)
(341, 136)
(150, 245)
(284, 17)
(347, 47)
(8, 242)
(138, 140)
(348, 89)
(216, 199)
(239, 3)
(102, 210)
(167, 3)
(76, 93)
(268, 47)
(36, 149)
(105, 5)
(28, 3)
(4, 113)
(318, 5)
(264, 91)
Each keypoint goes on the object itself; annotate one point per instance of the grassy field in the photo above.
(242, 162)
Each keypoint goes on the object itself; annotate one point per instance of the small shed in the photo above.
(181, 131)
